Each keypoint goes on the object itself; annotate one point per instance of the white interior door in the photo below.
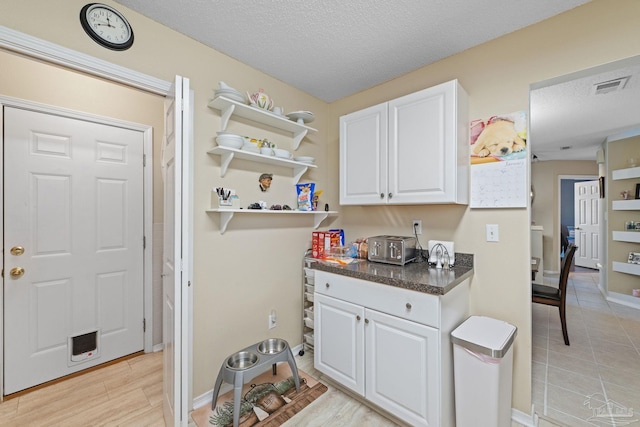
(587, 223)
(73, 200)
(176, 254)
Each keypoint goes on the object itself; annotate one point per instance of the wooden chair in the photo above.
(557, 297)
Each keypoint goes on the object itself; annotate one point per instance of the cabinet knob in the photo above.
(390, 195)
(326, 285)
(358, 317)
(382, 195)
(366, 321)
(408, 306)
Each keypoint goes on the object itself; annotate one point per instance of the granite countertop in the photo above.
(416, 276)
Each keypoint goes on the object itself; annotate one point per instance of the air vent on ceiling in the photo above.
(609, 86)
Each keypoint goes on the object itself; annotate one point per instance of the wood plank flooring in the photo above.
(127, 393)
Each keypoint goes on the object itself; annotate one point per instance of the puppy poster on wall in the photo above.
(499, 162)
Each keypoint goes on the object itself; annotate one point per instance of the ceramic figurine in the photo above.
(265, 181)
(260, 100)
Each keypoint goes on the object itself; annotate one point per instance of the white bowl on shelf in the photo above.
(283, 154)
(230, 141)
(304, 159)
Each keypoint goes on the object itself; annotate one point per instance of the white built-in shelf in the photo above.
(228, 154)
(227, 214)
(625, 267)
(626, 205)
(628, 173)
(627, 236)
(228, 107)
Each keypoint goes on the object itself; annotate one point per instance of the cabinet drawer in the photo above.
(411, 305)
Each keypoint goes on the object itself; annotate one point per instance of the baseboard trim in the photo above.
(622, 299)
(524, 418)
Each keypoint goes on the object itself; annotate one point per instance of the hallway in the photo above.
(602, 364)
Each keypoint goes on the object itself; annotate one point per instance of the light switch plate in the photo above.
(492, 233)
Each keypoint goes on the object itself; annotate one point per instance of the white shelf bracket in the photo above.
(298, 171)
(225, 217)
(297, 138)
(318, 217)
(226, 115)
(226, 160)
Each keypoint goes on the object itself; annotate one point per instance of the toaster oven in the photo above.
(397, 250)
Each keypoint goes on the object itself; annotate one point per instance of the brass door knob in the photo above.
(16, 272)
(17, 250)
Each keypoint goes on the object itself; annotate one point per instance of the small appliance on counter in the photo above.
(397, 250)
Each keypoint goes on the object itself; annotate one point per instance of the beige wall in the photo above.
(496, 75)
(545, 210)
(618, 154)
(256, 265)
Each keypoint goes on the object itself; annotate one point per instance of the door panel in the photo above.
(176, 254)
(74, 201)
(587, 223)
(402, 368)
(339, 341)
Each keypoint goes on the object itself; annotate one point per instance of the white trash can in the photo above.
(483, 367)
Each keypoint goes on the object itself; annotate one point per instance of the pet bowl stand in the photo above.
(239, 376)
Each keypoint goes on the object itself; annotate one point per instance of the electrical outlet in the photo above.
(272, 319)
(417, 226)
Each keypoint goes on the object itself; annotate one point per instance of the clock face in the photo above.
(106, 26)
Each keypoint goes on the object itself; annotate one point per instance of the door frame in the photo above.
(147, 135)
(43, 50)
(558, 228)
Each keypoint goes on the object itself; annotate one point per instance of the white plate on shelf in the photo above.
(304, 159)
(301, 116)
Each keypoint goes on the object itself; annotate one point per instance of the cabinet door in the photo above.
(422, 146)
(363, 156)
(339, 341)
(402, 368)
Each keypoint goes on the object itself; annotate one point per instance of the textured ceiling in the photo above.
(334, 48)
(569, 121)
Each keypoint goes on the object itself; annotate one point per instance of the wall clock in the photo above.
(106, 26)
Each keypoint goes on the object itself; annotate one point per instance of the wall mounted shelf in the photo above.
(227, 214)
(228, 107)
(625, 267)
(628, 173)
(228, 154)
(627, 236)
(626, 205)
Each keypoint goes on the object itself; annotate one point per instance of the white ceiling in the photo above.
(334, 48)
(569, 121)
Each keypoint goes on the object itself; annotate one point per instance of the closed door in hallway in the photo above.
(73, 249)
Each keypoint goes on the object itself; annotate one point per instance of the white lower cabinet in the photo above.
(389, 345)
(401, 367)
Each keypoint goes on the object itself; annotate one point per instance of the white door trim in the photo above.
(34, 47)
(556, 264)
(147, 132)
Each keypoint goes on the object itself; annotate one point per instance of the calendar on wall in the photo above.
(499, 162)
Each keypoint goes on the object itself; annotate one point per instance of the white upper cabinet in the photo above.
(411, 150)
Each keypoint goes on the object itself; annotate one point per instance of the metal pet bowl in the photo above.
(242, 360)
(272, 346)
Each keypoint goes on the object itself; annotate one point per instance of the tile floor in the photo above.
(600, 367)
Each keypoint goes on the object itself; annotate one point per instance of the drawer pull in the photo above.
(326, 285)
(408, 306)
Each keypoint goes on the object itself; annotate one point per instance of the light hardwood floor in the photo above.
(128, 393)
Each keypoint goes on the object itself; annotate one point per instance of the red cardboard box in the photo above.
(323, 241)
